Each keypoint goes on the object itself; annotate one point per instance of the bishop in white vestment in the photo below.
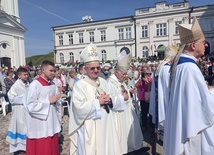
(189, 122)
(91, 123)
(126, 120)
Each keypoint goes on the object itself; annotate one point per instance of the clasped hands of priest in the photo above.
(104, 99)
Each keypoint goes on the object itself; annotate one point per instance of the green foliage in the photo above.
(37, 59)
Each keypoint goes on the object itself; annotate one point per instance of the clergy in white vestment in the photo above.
(16, 134)
(189, 117)
(42, 113)
(159, 91)
(91, 123)
(125, 118)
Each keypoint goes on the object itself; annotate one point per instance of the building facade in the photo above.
(12, 49)
(146, 33)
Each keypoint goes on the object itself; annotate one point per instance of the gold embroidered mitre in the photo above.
(89, 54)
(190, 32)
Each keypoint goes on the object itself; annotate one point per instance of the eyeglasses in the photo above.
(203, 42)
(93, 68)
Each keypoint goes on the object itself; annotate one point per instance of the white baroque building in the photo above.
(12, 49)
(146, 33)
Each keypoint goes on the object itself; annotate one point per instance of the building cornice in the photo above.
(162, 14)
(93, 23)
(18, 27)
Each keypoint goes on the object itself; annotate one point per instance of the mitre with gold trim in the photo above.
(190, 32)
(89, 54)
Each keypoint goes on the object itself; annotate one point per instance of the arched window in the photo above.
(61, 55)
(71, 56)
(160, 46)
(104, 55)
(145, 52)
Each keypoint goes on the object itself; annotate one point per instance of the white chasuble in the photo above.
(91, 128)
(126, 120)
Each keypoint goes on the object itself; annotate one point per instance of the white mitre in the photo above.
(124, 60)
(89, 54)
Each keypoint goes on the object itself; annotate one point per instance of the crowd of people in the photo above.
(112, 106)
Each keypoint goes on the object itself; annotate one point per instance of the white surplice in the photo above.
(126, 120)
(190, 112)
(42, 118)
(91, 128)
(17, 130)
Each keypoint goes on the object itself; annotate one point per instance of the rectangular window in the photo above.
(70, 36)
(144, 31)
(60, 40)
(120, 32)
(81, 38)
(128, 33)
(176, 26)
(161, 29)
(61, 58)
(91, 34)
(103, 35)
(104, 56)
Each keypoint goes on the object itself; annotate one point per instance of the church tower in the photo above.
(12, 47)
(11, 8)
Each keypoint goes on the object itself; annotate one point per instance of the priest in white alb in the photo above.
(91, 123)
(126, 120)
(189, 121)
(160, 91)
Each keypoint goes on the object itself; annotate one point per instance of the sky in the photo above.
(38, 16)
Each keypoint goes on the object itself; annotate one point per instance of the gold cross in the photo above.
(93, 49)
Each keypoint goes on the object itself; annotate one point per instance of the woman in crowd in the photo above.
(144, 87)
(9, 81)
